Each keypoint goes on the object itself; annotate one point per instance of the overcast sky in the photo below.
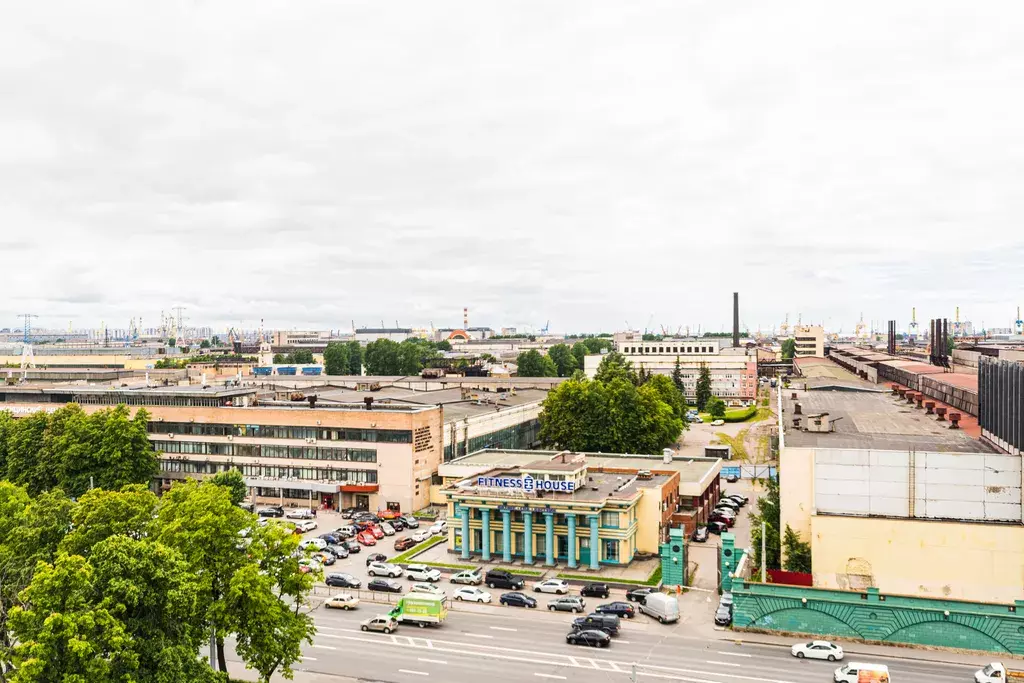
(588, 163)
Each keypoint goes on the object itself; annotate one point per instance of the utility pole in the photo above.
(764, 558)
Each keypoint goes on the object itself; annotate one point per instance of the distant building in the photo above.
(810, 341)
(366, 335)
(300, 337)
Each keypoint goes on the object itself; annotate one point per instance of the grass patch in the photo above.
(653, 580)
(442, 565)
(416, 549)
(739, 449)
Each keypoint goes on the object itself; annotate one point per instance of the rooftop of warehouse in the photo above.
(690, 469)
(816, 371)
(138, 387)
(599, 486)
(456, 403)
(872, 419)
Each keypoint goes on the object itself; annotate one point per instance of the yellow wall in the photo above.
(797, 492)
(983, 562)
(648, 512)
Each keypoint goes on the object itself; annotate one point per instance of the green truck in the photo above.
(421, 609)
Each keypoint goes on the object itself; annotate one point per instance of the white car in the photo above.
(384, 569)
(438, 528)
(313, 544)
(421, 572)
(305, 526)
(427, 588)
(301, 513)
(387, 529)
(341, 601)
(717, 423)
(818, 649)
(551, 586)
(421, 536)
(472, 594)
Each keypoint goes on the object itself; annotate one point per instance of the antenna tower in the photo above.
(27, 329)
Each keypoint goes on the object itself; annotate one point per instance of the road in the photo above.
(507, 645)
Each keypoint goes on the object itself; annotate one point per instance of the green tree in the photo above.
(6, 425)
(235, 483)
(798, 552)
(101, 514)
(597, 344)
(703, 387)
(355, 358)
(716, 407)
(788, 349)
(532, 364)
(443, 345)
(383, 358)
(172, 342)
(205, 344)
(565, 362)
(27, 464)
(336, 358)
(768, 511)
(579, 352)
(280, 359)
(615, 366)
(216, 340)
(302, 357)
(669, 394)
(677, 377)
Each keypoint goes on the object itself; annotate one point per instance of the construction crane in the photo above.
(547, 326)
(27, 329)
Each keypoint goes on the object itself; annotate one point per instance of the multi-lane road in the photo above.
(505, 645)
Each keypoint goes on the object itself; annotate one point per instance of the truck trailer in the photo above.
(421, 609)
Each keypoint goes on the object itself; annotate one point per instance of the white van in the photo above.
(859, 672)
(664, 608)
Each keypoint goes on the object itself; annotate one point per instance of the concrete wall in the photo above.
(875, 616)
(938, 559)
(796, 494)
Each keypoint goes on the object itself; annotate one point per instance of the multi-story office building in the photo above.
(810, 341)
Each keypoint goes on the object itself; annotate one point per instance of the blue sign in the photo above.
(730, 472)
(526, 484)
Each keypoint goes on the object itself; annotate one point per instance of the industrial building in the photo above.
(576, 509)
(809, 341)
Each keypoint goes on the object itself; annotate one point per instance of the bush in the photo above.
(417, 549)
(741, 415)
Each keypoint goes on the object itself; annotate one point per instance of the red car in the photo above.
(728, 521)
(389, 514)
(366, 538)
(377, 532)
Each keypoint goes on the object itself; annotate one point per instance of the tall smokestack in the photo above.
(735, 320)
(465, 318)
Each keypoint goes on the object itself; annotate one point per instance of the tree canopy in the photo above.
(564, 360)
(532, 364)
(703, 387)
(234, 482)
(343, 358)
(768, 511)
(716, 407)
(788, 349)
(387, 357)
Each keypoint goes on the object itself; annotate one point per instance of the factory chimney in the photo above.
(465, 318)
(735, 320)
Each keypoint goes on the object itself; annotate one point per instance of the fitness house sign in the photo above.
(527, 484)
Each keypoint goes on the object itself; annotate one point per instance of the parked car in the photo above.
(516, 599)
(499, 578)
(384, 569)
(343, 580)
(375, 557)
(410, 522)
(365, 516)
(717, 423)
(427, 588)
(590, 637)
(347, 513)
(728, 503)
(272, 511)
(387, 529)
(664, 608)
(366, 538)
(362, 524)
(341, 601)
(817, 649)
(324, 558)
(438, 528)
(700, 535)
(382, 623)
(307, 565)
(300, 513)
(404, 543)
(568, 603)
(307, 525)
(389, 514)
(742, 500)
(420, 536)
(557, 586)
(339, 551)
(421, 572)
(638, 594)
(248, 507)
(470, 577)
(353, 545)
(716, 527)
(313, 544)
(695, 418)
(398, 523)
(384, 586)
(725, 600)
(377, 532)
(330, 537)
(595, 590)
(619, 609)
(732, 478)
(724, 517)
(345, 531)
(472, 594)
(723, 616)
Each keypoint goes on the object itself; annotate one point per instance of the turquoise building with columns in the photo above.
(555, 511)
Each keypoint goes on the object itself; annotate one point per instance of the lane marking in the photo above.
(623, 642)
(304, 658)
(414, 673)
(734, 654)
(711, 661)
(561, 678)
(325, 647)
(432, 661)
(478, 635)
(502, 628)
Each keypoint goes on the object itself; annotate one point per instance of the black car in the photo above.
(343, 581)
(619, 609)
(517, 600)
(330, 537)
(384, 586)
(603, 622)
(591, 637)
(741, 500)
(347, 513)
(352, 545)
(397, 523)
(499, 578)
(732, 479)
(717, 527)
(339, 551)
(272, 511)
(595, 590)
(376, 557)
(700, 535)
(366, 517)
(638, 594)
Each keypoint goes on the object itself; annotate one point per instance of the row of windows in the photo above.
(267, 451)
(281, 432)
(301, 494)
(517, 437)
(668, 349)
(608, 519)
(274, 471)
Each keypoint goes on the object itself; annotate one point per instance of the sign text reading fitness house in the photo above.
(527, 484)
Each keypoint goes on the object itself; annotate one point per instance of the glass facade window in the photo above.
(274, 471)
(610, 519)
(517, 437)
(281, 432)
(611, 551)
(267, 451)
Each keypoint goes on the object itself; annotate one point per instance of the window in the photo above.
(610, 519)
(611, 551)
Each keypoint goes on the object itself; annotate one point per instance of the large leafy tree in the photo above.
(615, 366)
(579, 352)
(768, 511)
(788, 349)
(27, 463)
(703, 387)
(336, 360)
(532, 364)
(565, 362)
(382, 358)
(798, 552)
(101, 514)
(355, 358)
(716, 407)
(235, 483)
(666, 391)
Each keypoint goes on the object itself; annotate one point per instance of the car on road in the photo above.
(427, 588)
(387, 529)
(472, 594)
(717, 423)
(404, 543)
(700, 535)
(382, 623)
(366, 538)
(638, 594)
(556, 586)
(420, 536)
(595, 590)
(723, 616)
(341, 601)
(375, 557)
(305, 526)
(342, 580)
(568, 603)
(421, 572)
(718, 528)
(603, 622)
(499, 578)
(470, 577)
(619, 609)
(313, 544)
(339, 551)
(817, 649)
(384, 569)
(353, 545)
(301, 513)
(590, 637)
(377, 532)
(438, 528)
(516, 599)
(410, 522)
(272, 511)
(384, 586)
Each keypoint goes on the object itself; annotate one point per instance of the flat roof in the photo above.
(872, 420)
(455, 406)
(172, 390)
(599, 486)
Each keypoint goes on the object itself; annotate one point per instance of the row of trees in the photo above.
(299, 357)
(619, 411)
(561, 359)
(343, 358)
(409, 357)
(75, 451)
(123, 586)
